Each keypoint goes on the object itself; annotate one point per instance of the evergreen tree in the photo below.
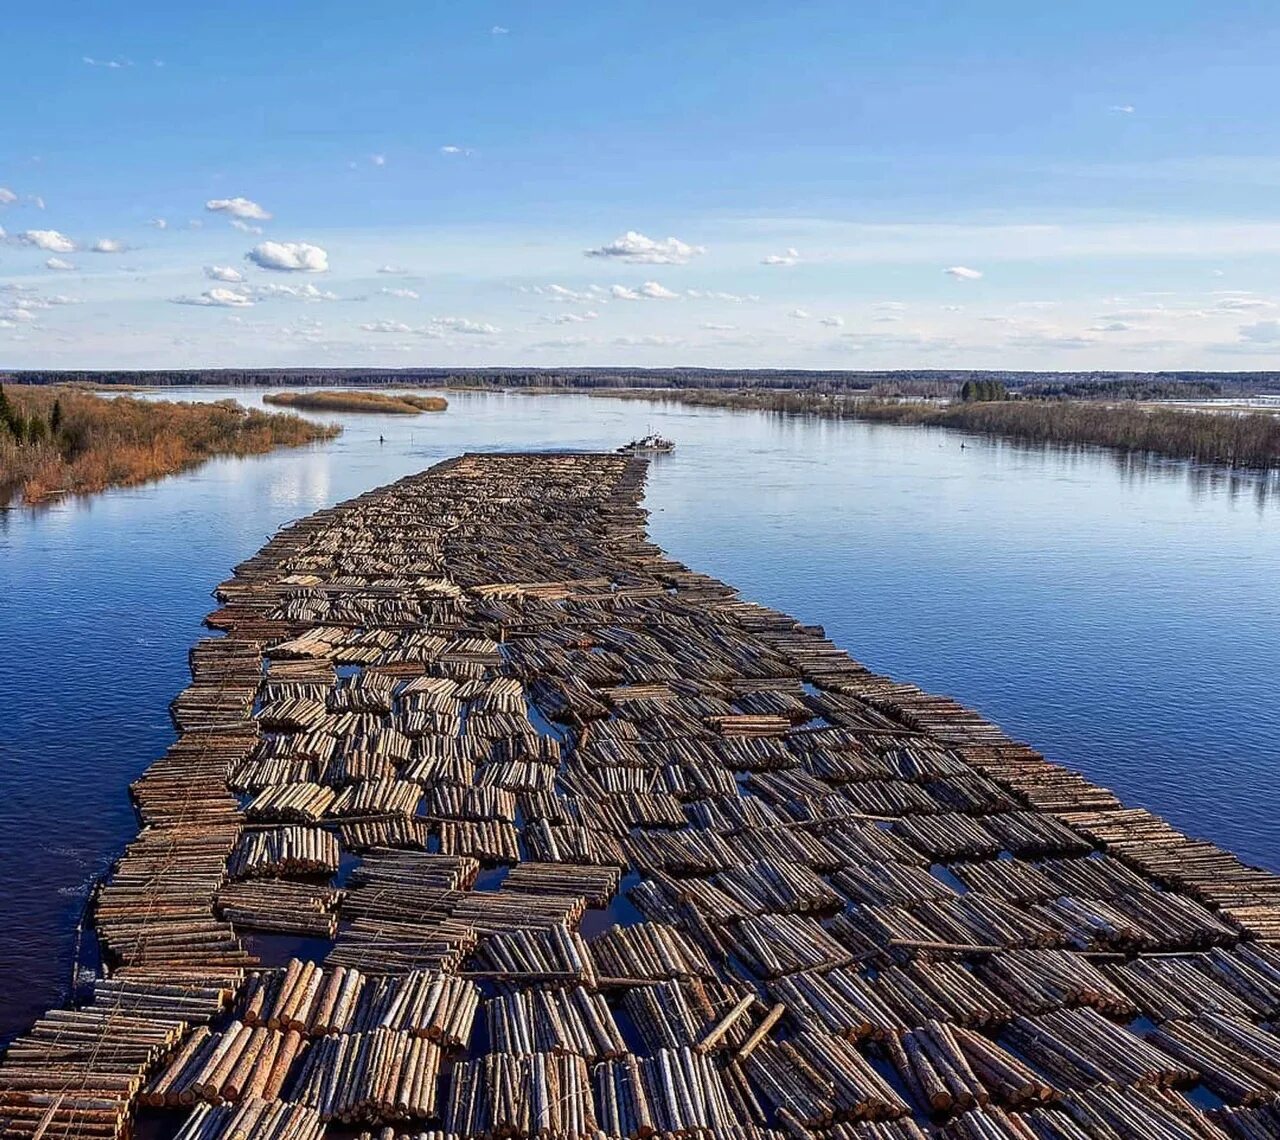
(55, 418)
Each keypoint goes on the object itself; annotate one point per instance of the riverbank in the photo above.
(353, 400)
(1230, 439)
(736, 843)
(68, 441)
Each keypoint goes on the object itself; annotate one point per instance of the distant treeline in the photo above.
(1232, 438)
(906, 382)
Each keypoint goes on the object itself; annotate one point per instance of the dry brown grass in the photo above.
(110, 443)
(401, 404)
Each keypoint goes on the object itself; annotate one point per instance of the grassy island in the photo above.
(60, 440)
(400, 404)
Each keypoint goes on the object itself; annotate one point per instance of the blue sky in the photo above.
(807, 185)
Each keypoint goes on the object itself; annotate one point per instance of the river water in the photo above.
(1122, 616)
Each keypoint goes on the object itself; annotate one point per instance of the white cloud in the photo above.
(463, 325)
(289, 257)
(218, 297)
(455, 150)
(393, 270)
(963, 273)
(403, 294)
(113, 64)
(237, 208)
(499, 30)
(790, 257)
(20, 316)
(711, 326)
(711, 295)
(36, 201)
(832, 322)
(378, 159)
(1112, 326)
(653, 340)
(307, 292)
(159, 223)
(649, 291)
(637, 249)
(51, 241)
(108, 245)
(560, 293)
(572, 318)
(398, 327)
(245, 227)
(57, 263)
(799, 314)
(223, 273)
(7, 196)
(1122, 109)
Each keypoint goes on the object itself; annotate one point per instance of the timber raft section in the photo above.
(574, 842)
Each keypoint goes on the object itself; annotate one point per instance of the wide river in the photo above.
(1122, 616)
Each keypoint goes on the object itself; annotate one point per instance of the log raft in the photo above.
(571, 841)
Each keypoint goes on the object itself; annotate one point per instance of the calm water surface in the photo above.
(1122, 617)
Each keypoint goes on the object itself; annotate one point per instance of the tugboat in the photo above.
(651, 444)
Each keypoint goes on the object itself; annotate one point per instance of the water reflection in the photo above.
(1118, 612)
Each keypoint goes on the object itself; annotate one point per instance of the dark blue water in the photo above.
(1122, 617)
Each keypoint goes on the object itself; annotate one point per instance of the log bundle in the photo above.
(563, 839)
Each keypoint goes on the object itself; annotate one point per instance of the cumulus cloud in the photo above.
(463, 325)
(289, 257)
(560, 293)
(455, 150)
(790, 257)
(7, 196)
(378, 159)
(499, 30)
(393, 270)
(398, 327)
(19, 316)
(799, 314)
(624, 293)
(108, 245)
(653, 340)
(218, 298)
(223, 273)
(307, 292)
(57, 263)
(963, 273)
(711, 295)
(656, 292)
(832, 322)
(640, 250)
(245, 227)
(237, 208)
(51, 241)
(1122, 109)
(402, 294)
(572, 318)
(159, 223)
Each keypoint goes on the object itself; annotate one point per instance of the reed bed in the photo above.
(100, 443)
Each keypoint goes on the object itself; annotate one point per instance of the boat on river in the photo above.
(651, 444)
